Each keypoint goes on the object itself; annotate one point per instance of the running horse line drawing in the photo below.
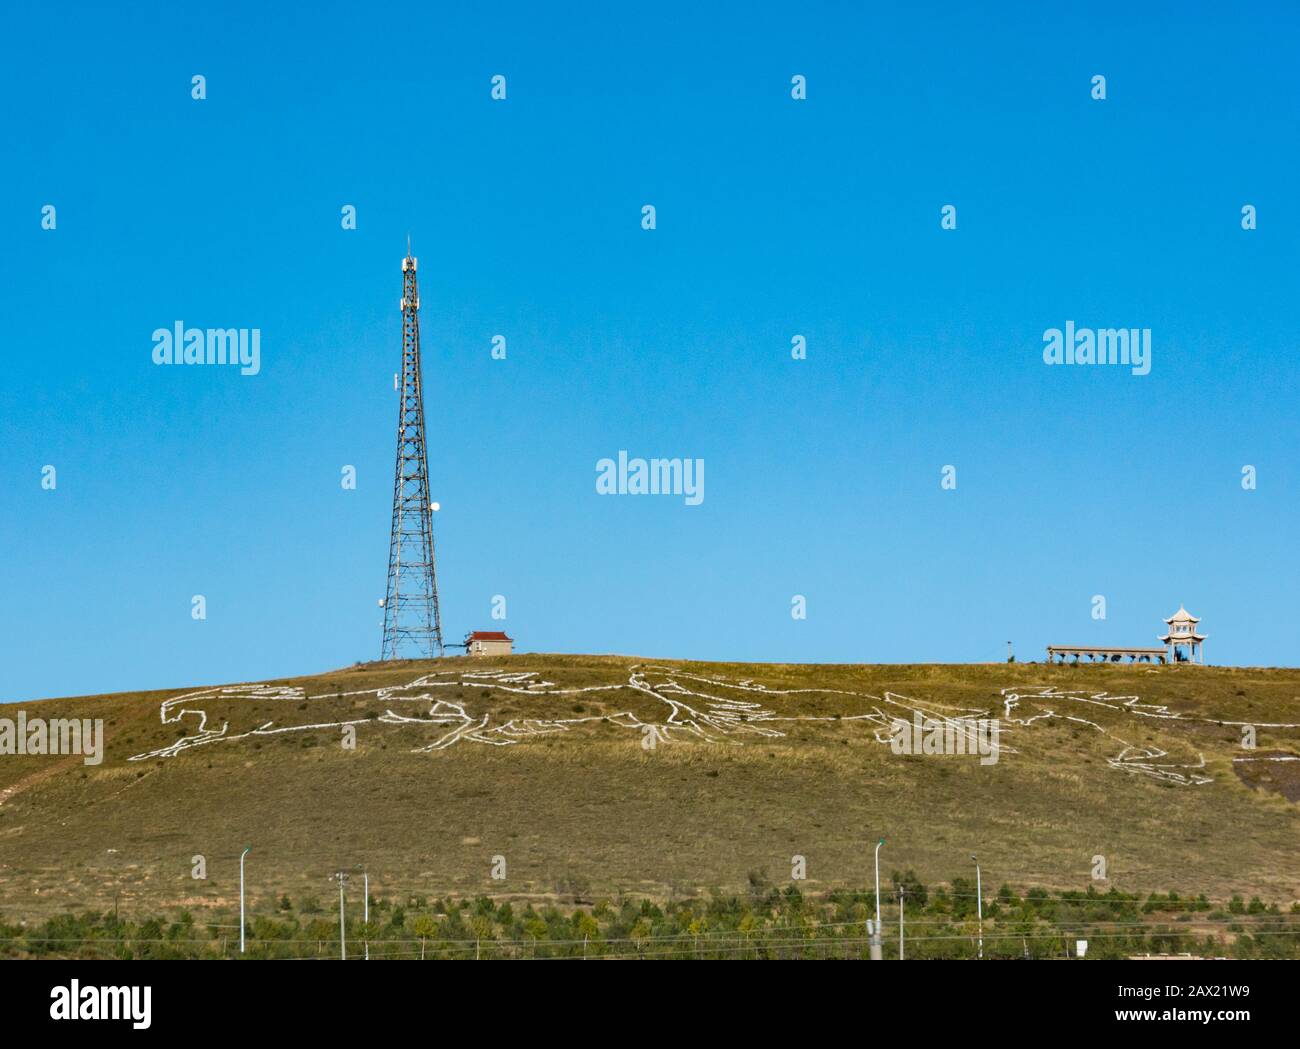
(659, 704)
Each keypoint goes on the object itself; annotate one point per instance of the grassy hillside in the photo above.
(592, 775)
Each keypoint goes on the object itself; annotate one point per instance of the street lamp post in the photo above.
(343, 932)
(366, 916)
(247, 849)
(979, 903)
(876, 954)
(878, 844)
(901, 894)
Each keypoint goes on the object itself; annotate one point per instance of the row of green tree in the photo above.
(766, 922)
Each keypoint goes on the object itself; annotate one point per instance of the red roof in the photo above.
(488, 635)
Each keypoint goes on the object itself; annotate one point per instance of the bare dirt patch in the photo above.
(1277, 771)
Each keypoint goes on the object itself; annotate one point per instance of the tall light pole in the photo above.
(366, 916)
(979, 902)
(247, 849)
(343, 933)
(876, 953)
(901, 892)
(878, 844)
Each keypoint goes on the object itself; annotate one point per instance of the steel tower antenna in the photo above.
(412, 624)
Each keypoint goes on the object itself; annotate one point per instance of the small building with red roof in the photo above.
(488, 643)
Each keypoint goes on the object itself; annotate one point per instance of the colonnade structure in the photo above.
(1182, 644)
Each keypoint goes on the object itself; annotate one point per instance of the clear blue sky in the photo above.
(775, 218)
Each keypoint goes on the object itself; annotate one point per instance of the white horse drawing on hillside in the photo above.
(659, 704)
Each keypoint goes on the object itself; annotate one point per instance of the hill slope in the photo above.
(599, 774)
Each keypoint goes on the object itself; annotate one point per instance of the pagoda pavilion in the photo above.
(1185, 645)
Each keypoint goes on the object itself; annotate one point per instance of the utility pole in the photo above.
(979, 903)
(901, 893)
(874, 934)
(412, 622)
(366, 918)
(343, 934)
(247, 849)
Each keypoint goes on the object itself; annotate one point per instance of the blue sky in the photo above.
(775, 217)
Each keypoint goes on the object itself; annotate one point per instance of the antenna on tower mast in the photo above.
(412, 623)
